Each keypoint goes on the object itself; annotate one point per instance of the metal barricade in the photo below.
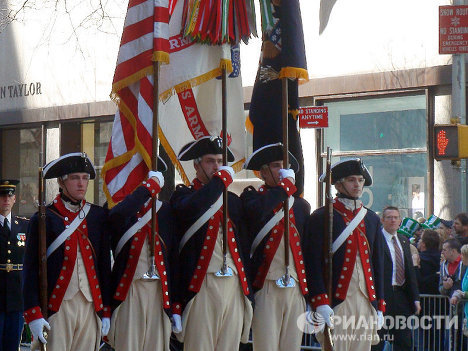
(458, 339)
(431, 328)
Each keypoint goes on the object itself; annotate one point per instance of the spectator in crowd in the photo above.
(452, 269)
(460, 226)
(463, 293)
(428, 272)
(446, 228)
(428, 280)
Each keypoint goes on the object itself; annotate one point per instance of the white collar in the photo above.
(350, 204)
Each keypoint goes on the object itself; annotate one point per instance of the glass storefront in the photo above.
(20, 158)
(390, 135)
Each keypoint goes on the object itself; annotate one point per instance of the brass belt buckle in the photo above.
(9, 267)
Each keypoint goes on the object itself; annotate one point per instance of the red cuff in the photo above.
(224, 176)
(318, 300)
(106, 312)
(177, 308)
(152, 186)
(382, 305)
(32, 314)
(288, 186)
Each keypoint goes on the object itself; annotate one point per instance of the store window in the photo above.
(390, 135)
(20, 158)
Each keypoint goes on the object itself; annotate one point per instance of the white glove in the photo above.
(227, 169)
(287, 173)
(37, 329)
(380, 320)
(105, 326)
(327, 314)
(158, 176)
(176, 324)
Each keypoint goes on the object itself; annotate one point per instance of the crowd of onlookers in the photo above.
(440, 257)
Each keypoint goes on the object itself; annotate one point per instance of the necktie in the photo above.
(400, 269)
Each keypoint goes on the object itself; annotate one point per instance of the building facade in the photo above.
(374, 64)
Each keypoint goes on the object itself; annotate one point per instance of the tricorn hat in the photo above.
(269, 153)
(203, 146)
(408, 227)
(8, 186)
(76, 162)
(349, 167)
(162, 166)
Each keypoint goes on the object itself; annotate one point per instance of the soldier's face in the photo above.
(75, 185)
(208, 165)
(351, 186)
(6, 203)
(270, 174)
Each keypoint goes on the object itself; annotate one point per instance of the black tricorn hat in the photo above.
(76, 162)
(269, 153)
(203, 146)
(349, 167)
(8, 186)
(162, 166)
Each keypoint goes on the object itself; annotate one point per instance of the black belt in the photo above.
(11, 267)
(397, 287)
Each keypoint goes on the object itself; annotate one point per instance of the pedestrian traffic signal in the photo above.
(450, 141)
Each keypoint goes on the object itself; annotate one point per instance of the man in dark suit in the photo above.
(400, 283)
(12, 242)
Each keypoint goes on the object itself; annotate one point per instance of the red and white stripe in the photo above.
(145, 38)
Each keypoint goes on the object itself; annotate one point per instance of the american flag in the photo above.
(189, 100)
(145, 39)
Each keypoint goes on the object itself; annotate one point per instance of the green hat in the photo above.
(408, 227)
(431, 223)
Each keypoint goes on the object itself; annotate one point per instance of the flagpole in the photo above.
(285, 281)
(225, 271)
(151, 273)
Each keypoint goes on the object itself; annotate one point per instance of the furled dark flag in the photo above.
(283, 55)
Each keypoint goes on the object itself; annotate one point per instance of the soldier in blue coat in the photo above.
(216, 312)
(277, 305)
(12, 244)
(78, 263)
(357, 277)
(139, 302)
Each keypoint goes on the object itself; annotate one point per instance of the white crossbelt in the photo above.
(135, 227)
(68, 231)
(200, 221)
(349, 229)
(269, 226)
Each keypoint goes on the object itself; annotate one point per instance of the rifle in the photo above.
(327, 247)
(42, 238)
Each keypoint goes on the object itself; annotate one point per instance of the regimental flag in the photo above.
(283, 55)
(190, 103)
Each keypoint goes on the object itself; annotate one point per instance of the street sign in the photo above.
(453, 29)
(313, 117)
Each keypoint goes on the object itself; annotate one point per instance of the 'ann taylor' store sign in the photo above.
(20, 90)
